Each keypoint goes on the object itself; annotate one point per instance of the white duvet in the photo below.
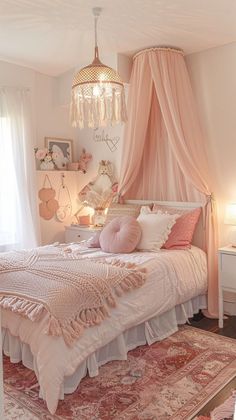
(173, 277)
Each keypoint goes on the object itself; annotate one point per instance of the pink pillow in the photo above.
(121, 235)
(94, 242)
(181, 234)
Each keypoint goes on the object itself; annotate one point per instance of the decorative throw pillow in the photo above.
(94, 242)
(155, 230)
(121, 235)
(146, 210)
(182, 232)
(120, 210)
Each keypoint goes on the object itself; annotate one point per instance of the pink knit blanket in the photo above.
(76, 292)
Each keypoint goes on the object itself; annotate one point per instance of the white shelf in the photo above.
(84, 227)
(57, 171)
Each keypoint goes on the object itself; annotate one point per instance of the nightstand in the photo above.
(79, 233)
(227, 276)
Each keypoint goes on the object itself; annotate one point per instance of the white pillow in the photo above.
(145, 210)
(155, 230)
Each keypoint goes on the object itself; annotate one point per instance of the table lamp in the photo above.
(230, 219)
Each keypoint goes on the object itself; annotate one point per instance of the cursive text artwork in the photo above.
(101, 136)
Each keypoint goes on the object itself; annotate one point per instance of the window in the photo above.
(8, 188)
(18, 203)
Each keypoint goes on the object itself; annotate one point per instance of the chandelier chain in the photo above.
(95, 30)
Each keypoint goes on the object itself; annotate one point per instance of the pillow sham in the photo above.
(155, 230)
(121, 235)
(120, 210)
(146, 210)
(182, 232)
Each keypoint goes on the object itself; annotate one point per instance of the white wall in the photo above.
(101, 150)
(50, 109)
(213, 79)
(49, 119)
(213, 76)
(13, 75)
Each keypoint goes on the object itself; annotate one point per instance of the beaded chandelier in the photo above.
(98, 97)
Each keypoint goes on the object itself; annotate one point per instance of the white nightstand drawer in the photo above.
(228, 271)
(78, 234)
(227, 276)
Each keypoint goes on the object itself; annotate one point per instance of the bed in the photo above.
(174, 290)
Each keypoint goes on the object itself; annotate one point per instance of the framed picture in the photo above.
(62, 149)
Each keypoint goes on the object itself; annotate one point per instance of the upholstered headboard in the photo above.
(199, 234)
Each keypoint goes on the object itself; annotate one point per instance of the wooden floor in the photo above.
(207, 324)
(229, 330)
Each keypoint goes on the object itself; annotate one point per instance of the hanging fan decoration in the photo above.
(49, 205)
(65, 205)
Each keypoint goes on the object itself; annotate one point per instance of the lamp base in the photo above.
(99, 217)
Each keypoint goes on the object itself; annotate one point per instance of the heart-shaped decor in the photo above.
(45, 212)
(49, 205)
(46, 194)
(53, 205)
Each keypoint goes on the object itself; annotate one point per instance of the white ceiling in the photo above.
(53, 36)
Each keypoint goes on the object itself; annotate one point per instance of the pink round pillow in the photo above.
(121, 235)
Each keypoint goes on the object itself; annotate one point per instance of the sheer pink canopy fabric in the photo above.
(164, 156)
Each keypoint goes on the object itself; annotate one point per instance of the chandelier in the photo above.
(98, 96)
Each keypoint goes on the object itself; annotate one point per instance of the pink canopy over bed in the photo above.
(164, 156)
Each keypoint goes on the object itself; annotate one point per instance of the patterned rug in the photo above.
(172, 379)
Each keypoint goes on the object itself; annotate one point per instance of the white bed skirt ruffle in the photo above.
(155, 329)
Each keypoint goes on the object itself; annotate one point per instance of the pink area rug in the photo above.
(172, 379)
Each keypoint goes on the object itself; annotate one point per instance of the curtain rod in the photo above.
(176, 50)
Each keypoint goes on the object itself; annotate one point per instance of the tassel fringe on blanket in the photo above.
(77, 293)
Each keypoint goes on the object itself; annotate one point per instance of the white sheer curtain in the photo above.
(18, 202)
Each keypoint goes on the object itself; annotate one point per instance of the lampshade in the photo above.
(230, 214)
(98, 96)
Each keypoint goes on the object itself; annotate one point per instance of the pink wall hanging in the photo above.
(49, 205)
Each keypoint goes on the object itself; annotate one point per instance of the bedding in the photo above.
(173, 277)
(75, 292)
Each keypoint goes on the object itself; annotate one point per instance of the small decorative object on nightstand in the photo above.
(227, 276)
(99, 217)
(78, 233)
